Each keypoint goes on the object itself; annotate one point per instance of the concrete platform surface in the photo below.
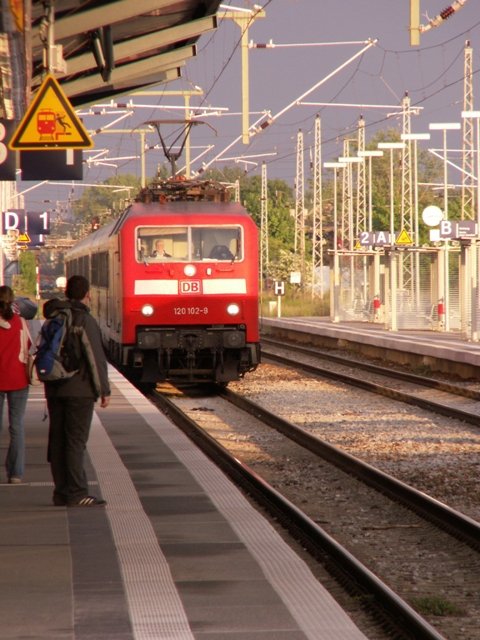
(178, 553)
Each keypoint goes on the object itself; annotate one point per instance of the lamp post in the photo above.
(348, 161)
(369, 154)
(392, 146)
(444, 127)
(475, 257)
(415, 137)
(351, 226)
(334, 290)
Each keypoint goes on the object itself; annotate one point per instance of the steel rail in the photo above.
(318, 542)
(367, 366)
(395, 394)
(455, 523)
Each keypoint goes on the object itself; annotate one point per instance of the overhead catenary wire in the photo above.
(272, 45)
(368, 43)
(339, 132)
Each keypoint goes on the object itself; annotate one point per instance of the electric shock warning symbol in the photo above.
(403, 238)
(50, 122)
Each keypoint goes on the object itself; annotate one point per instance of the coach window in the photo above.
(99, 275)
(79, 267)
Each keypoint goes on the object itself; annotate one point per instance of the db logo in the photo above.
(190, 286)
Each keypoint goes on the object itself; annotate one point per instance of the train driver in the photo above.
(159, 250)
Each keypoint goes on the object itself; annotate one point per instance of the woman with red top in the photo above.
(14, 345)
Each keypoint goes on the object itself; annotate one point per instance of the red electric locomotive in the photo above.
(174, 284)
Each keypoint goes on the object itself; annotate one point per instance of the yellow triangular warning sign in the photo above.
(357, 245)
(50, 123)
(24, 237)
(403, 238)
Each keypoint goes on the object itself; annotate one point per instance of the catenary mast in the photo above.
(468, 155)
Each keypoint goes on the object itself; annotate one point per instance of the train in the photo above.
(189, 311)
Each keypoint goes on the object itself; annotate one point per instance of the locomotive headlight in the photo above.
(190, 270)
(147, 310)
(233, 309)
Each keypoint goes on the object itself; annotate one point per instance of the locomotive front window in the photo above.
(217, 243)
(159, 244)
(186, 244)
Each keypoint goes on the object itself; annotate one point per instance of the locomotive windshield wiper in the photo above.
(237, 248)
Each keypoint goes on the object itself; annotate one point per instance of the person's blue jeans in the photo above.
(17, 403)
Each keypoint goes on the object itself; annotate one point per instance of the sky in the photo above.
(431, 73)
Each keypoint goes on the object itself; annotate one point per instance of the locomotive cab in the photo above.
(205, 335)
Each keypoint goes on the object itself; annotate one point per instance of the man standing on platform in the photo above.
(71, 402)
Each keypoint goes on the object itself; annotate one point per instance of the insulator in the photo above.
(446, 13)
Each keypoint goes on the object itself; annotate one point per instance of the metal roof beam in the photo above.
(160, 62)
(143, 44)
(91, 19)
(137, 74)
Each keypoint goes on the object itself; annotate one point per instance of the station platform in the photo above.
(178, 553)
(436, 350)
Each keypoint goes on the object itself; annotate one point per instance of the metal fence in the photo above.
(416, 288)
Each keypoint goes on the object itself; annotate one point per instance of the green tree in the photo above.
(25, 282)
(281, 224)
(104, 203)
(287, 263)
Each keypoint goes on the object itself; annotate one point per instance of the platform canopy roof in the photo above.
(114, 47)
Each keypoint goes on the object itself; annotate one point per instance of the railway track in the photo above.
(453, 401)
(321, 544)
(455, 523)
